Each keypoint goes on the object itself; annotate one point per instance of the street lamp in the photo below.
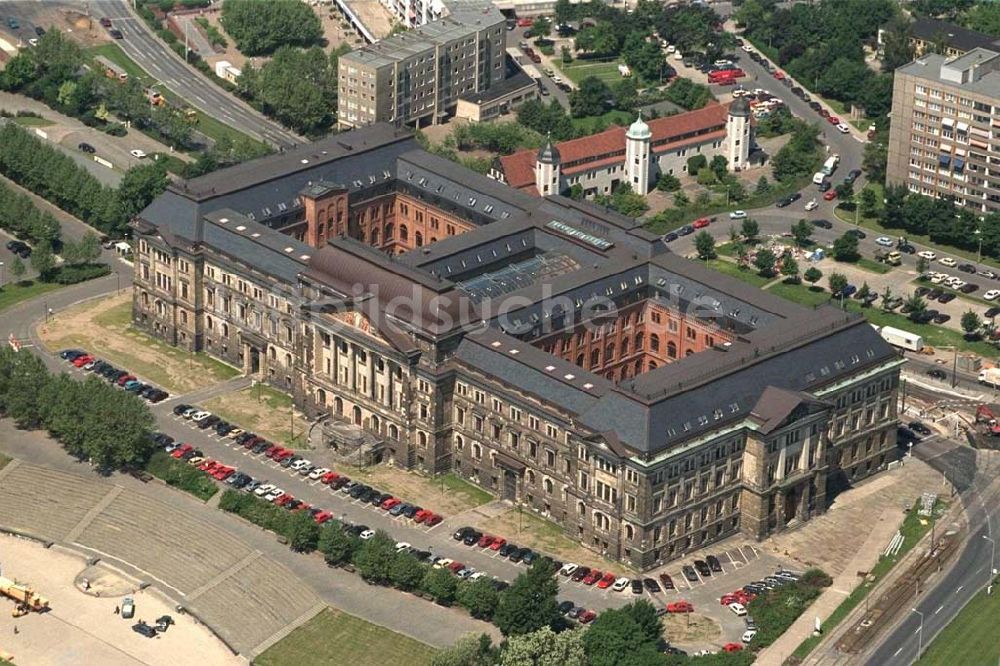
(920, 633)
(993, 559)
(979, 237)
(3, 274)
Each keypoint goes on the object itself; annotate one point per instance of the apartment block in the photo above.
(944, 140)
(417, 77)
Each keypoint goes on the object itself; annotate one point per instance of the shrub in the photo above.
(75, 274)
(776, 610)
(181, 475)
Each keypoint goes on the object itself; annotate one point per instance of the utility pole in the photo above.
(920, 633)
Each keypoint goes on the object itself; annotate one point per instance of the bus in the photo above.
(831, 165)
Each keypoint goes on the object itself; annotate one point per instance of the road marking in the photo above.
(938, 610)
(896, 653)
(959, 588)
(916, 631)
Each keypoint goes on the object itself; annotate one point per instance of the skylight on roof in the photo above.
(289, 249)
(223, 220)
(588, 386)
(496, 343)
(241, 228)
(514, 352)
(550, 368)
(569, 377)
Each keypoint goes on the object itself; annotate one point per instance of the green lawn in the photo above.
(12, 293)
(913, 529)
(32, 121)
(729, 268)
(4, 460)
(873, 266)
(970, 638)
(336, 638)
(459, 486)
(800, 294)
(205, 124)
(590, 124)
(578, 70)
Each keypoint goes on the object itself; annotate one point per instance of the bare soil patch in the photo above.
(448, 498)
(690, 629)
(264, 411)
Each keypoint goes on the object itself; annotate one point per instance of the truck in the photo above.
(987, 416)
(990, 377)
(891, 257)
(831, 165)
(25, 598)
(897, 337)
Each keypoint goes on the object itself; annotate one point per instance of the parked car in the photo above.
(713, 563)
(823, 224)
(680, 607)
(86, 148)
(128, 608)
(651, 585)
(689, 573)
(144, 629)
(667, 581)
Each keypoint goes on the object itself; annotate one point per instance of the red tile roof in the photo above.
(519, 168)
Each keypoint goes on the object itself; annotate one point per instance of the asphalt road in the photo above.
(968, 574)
(161, 62)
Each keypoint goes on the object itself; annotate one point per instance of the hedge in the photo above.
(179, 474)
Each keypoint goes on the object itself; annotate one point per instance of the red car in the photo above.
(124, 379)
(81, 361)
(208, 466)
(824, 113)
(730, 598)
(252, 442)
(181, 450)
(701, 223)
(587, 617)
(830, 195)
(284, 499)
(732, 647)
(607, 581)
(486, 540)
(322, 517)
(592, 577)
(305, 506)
(422, 515)
(779, 75)
(432, 520)
(272, 451)
(223, 473)
(833, 120)
(455, 567)
(389, 503)
(524, 22)
(680, 607)
(285, 453)
(498, 543)
(329, 477)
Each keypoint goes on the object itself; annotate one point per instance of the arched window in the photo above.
(530, 477)
(579, 360)
(601, 521)
(376, 424)
(387, 232)
(548, 486)
(433, 239)
(654, 343)
(638, 366)
(638, 342)
(321, 397)
(209, 323)
(422, 439)
(375, 235)
(629, 532)
(477, 451)
(581, 508)
(652, 365)
(609, 353)
(625, 347)
(272, 353)
(338, 406)
(595, 358)
(419, 239)
(225, 330)
(393, 432)
(288, 360)
(671, 350)
(689, 352)
(404, 234)
(459, 443)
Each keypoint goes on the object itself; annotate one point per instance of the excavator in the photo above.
(25, 599)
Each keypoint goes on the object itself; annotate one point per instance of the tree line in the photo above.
(261, 28)
(92, 420)
(20, 216)
(55, 176)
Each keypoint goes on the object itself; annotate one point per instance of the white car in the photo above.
(300, 464)
(621, 584)
(402, 545)
(738, 608)
(200, 416)
(234, 433)
(367, 534)
(955, 283)
(992, 294)
(678, 56)
(264, 489)
(947, 261)
(477, 575)
(318, 472)
(884, 241)
(440, 564)
(843, 128)
(138, 154)
(568, 569)
(928, 255)
(938, 278)
(748, 635)
(274, 494)
(738, 215)
(747, 48)
(671, 48)
(812, 205)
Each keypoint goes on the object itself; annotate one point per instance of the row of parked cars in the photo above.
(288, 459)
(737, 600)
(123, 378)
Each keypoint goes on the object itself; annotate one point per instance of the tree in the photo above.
(750, 229)
(564, 11)
(480, 598)
(705, 246)
(845, 191)
(742, 253)
(863, 293)
(618, 636)
(845, 248)
(897, 49)
(706, 177)
(530, 603)
(837, 283)
(868, 202)
(790, 268)
(303, 532)
(298, 88)
(259, 28)
(886, 298)
(765, 262)
(922, 265)
(469, 650)
(589, 99)
(545, 648)
(668, 183)
(696, 163)
(406, 572)
(915, 305)
(139, 186)
(763, 187)
(626, 94)
(541, 27)
(971, 324)
(812, 275)
(336, 545)
(802, 232)
(576, 192)
(681, 200)
(42, 261)
(719, 166)
(375, 557)
(440, 584)
(17, 269)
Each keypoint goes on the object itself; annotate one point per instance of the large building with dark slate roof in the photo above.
(554, 353)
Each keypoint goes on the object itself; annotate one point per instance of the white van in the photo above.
(818, 178)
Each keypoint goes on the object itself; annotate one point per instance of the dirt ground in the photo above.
(449, 499)
(104, 328)
(81, 628)
(536, 533)
(263, 411)
(68, 16)
(690, 629)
